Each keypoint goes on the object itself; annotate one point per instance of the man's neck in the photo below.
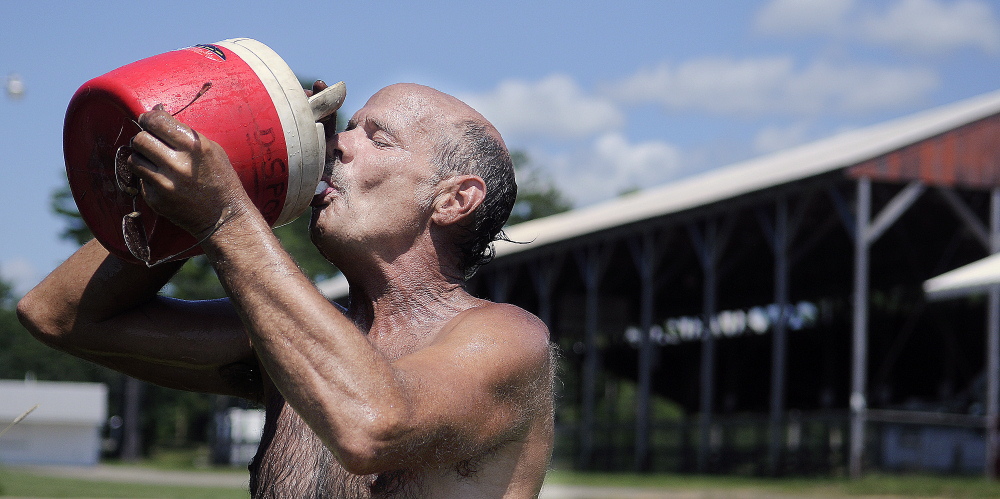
(413, 297)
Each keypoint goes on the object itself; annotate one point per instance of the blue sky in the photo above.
(605, 96)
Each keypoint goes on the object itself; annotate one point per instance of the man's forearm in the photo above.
(89, 287)
(323, 365)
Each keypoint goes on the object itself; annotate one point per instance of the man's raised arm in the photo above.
(102, 309)
(374, 413)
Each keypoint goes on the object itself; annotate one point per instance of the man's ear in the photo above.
(460, 197)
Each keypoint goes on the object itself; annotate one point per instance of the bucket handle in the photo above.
(327, 101)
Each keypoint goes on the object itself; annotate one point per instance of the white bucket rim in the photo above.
(304, 138)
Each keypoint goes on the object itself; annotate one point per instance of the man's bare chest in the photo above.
(293, 462)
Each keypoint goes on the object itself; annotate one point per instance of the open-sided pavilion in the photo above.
(787, 287)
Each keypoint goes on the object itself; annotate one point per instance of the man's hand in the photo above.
(330, 122)
(186, 177)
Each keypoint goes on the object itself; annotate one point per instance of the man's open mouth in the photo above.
(322, 191)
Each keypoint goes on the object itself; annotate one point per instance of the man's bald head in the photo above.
(436, 110)
(467, 144)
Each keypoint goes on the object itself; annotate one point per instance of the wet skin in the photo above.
(418, 389)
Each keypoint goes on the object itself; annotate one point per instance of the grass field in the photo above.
(17, 483)
(871, 485)
(22, 483)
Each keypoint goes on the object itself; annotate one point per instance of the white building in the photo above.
(238, 434)
(64, 429)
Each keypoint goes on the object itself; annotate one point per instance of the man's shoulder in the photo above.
(502, 318)
(501, 311)
(491, 325)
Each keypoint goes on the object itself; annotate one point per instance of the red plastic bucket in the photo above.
(238, 93)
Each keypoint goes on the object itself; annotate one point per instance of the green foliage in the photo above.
(537, 195)
(6, 295)
(22, 355)
(175, 418)
(196, 280)
(294, 237)
(64, 205)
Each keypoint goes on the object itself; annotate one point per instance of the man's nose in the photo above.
(335, 147)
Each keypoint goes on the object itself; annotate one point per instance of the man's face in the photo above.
(379, 174)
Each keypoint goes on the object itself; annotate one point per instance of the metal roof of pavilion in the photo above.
(975, 278)
(798, 163)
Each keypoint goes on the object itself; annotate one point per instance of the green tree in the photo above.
(537, 194)
(294, 237)
(22, 356)
(64, 205)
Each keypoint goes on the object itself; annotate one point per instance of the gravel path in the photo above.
(136, 474)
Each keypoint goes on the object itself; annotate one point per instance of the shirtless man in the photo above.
(418, 389)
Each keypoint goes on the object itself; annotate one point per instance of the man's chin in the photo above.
(314, 219)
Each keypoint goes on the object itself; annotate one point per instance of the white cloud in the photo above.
(763, 86)
(797, 17)
(711, 84)
(775, 138)
(934, 26)
(635, 162)
(20, 274)
(856, 89)
(611, 165)
(554, 106)
(925, 26)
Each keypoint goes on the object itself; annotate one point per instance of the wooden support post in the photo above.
(645, 258)
(543, 276)
(779, 345)
(859, 359)
(500, 285)
(592, 262)
(993, 351)
(707, 248)
(131, 413)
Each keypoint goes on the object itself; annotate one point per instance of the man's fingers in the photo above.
(150, 175)
(168, 129)
(318, 85)
(143, 168)
(154, 151)
(330, 121)
(153, 184)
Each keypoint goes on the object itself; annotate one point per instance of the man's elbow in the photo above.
(36, 316)
(359, 459)
(374, 447)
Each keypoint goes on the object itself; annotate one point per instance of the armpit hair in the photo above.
(244, 378)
